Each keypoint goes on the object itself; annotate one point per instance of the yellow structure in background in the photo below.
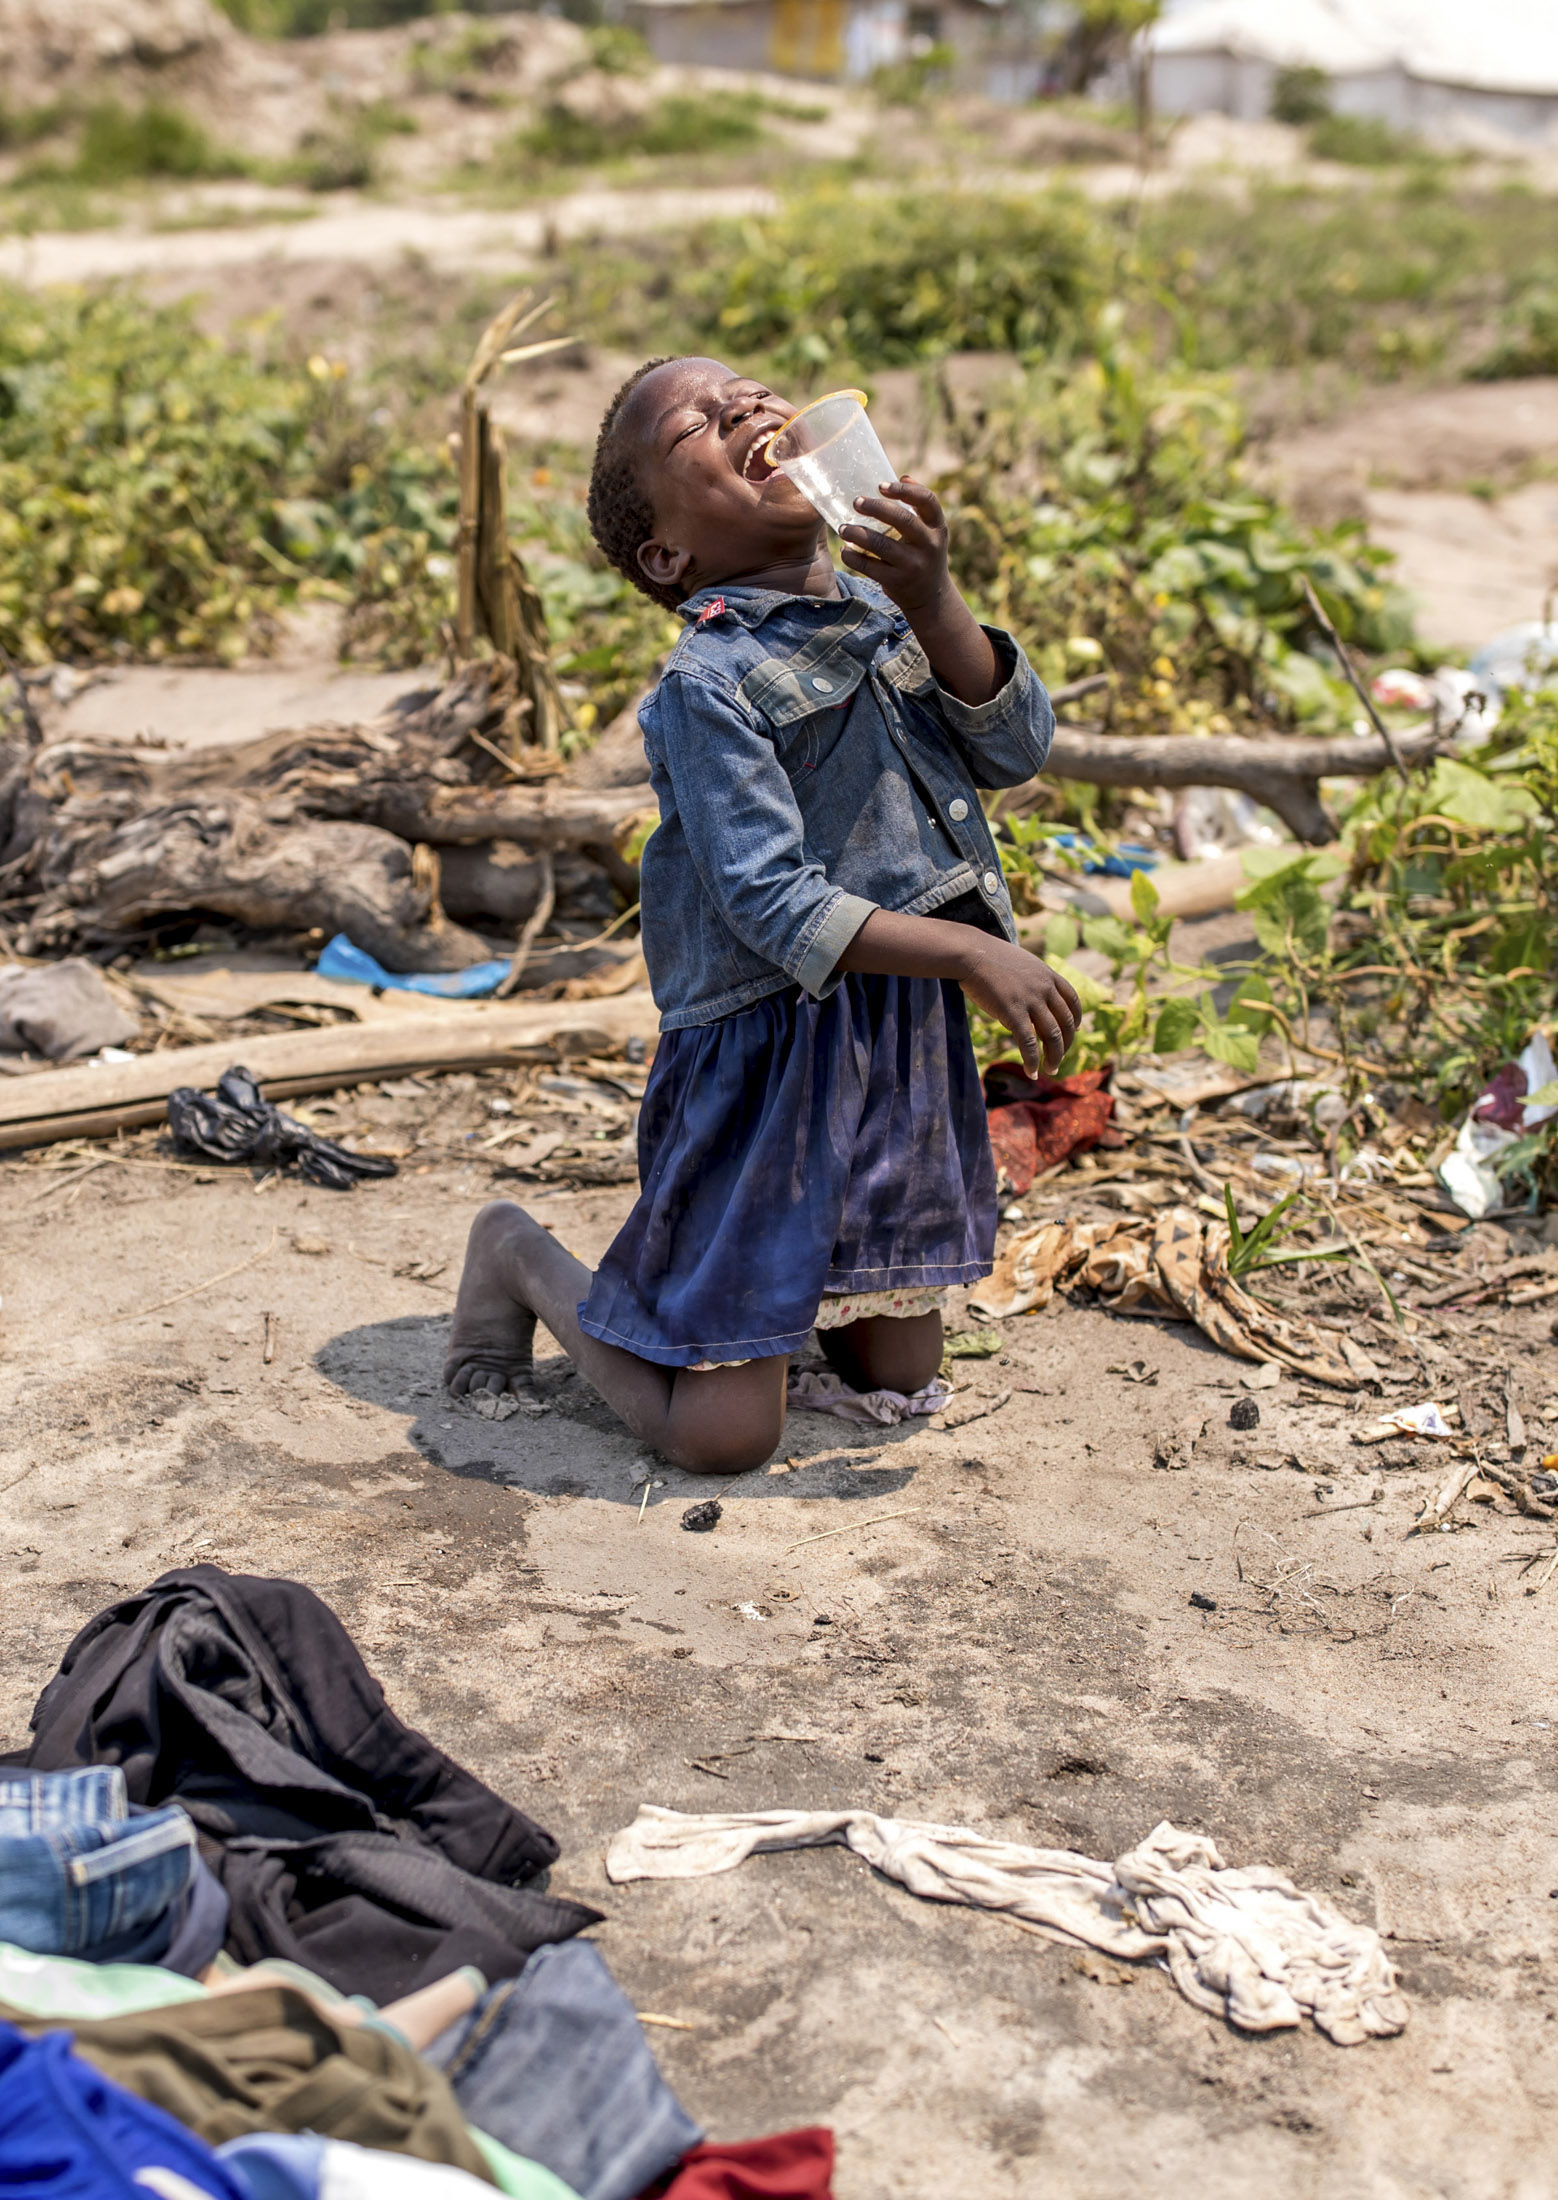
(806, 37)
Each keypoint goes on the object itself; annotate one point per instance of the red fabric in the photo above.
(792, 2165)
(1037, 1122)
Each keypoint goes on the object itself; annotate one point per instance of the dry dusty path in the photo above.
(369, 233)
(1016, 1650)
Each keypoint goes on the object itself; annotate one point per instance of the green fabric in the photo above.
(512, 2174)
(269, 2059)
(59, 1986)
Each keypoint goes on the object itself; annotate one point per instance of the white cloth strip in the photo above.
(1246, 1945)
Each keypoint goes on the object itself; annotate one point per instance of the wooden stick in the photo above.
(875, 1521)
(535, 924)
(1346, 663)
(96, 1101)
(269, 1354)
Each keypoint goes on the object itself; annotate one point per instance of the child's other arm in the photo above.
(1035, 1003)
(1002, 745)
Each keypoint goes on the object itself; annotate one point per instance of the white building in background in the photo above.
(1462, 71)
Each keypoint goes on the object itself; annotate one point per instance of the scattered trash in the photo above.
(1244, 1414)
(1520, 657)
(1265, 1377)
(1122, 861)
(699, 1519)
(1038, 1122)
(1135, 1371)
(61, 1010)
(352, 965)
(747, 1610)
(1470, 1174)
(234, 1124)
(970, 1409)
(1427, 1419)
(1200, 1602)
(816, 1391)
(1209, 821)
(1175, 1265)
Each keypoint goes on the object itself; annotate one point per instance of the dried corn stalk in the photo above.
(493, 590)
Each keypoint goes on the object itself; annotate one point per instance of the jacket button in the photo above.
(990, 883)
(957, 811)
(823, 687)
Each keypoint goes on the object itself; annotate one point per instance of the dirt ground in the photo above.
(1012, 1647)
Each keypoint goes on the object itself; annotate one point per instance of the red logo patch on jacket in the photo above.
(711, 611)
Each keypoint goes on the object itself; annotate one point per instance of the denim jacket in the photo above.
(809, 769)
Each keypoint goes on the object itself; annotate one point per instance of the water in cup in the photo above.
(831, 452)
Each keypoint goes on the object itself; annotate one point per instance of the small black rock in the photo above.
(1244, 1413)
(823, 1619)
(699, 1519)
(873, 1757)
(1202, 1603)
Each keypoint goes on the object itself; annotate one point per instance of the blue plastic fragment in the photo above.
(1121, 862)
(356, 967)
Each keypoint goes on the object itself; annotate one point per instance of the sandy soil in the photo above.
(1017, 1650)
(1458, 482)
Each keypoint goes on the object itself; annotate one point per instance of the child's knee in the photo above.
(717, 1426)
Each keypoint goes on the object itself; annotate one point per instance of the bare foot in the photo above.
(491, 1345)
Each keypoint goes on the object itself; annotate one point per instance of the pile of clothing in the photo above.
(260, 1940)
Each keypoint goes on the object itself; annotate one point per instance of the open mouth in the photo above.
(755, 467)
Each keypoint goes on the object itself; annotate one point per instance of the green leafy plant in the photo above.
(1362, 141)
(119, 144)
(1261, 1245)
(1300, 96)
(1110, 500)
(1528, 341)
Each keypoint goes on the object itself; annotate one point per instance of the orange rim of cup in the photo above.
(769, 441)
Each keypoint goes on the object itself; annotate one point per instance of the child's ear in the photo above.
(666, 567)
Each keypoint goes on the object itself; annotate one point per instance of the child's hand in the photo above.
(1034, 1002)
(912, 570)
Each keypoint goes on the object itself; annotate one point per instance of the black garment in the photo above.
(236, 1124)
(343, 1839)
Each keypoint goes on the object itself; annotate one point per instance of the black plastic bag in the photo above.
(235, 1124)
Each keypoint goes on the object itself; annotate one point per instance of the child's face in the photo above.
(720, 509)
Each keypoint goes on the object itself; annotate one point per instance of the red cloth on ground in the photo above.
(1036, 1122)
(792, 2165)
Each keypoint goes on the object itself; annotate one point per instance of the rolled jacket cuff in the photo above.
(1010, 701)
(818, 965)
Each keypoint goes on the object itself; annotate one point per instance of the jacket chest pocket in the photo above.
(804, 701)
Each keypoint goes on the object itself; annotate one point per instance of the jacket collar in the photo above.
(749, 607)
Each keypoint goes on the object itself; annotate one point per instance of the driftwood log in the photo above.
(343, 828)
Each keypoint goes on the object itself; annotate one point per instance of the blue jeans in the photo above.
(555, 2064)
(80, 1877)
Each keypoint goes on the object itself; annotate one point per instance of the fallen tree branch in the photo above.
(1282, 771)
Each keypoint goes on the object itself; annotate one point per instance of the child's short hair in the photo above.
(622, 516)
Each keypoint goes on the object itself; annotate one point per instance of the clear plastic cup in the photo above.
(831, 452)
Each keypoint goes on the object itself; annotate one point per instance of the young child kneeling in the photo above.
(821, 891)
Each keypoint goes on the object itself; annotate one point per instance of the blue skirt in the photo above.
(798, 1148)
